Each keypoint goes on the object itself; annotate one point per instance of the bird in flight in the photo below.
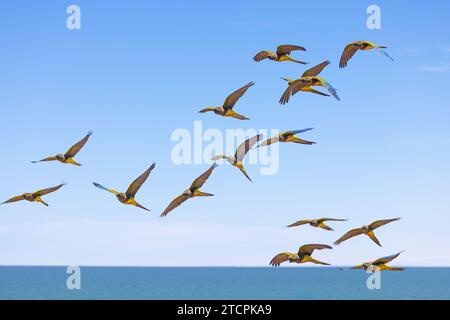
(367, 230)
(288, 136)
(192, 191)
(226, 110)
(128, 197)
(68, 156)
(380, 264)
(282, 54)
(241, 151)
(34, 196)
(302, 256)
(318, 223)
(308, 79)
(314, 71)
(351, 49)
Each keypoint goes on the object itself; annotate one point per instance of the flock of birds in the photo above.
(305, 83)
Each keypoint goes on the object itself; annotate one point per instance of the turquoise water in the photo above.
(221, 283)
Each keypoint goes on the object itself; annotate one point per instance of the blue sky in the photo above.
(138, 70)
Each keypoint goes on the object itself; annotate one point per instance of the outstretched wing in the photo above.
(261, 55)
(380, 223)
(46, 159)
(77, 147)
(269, 141)
(198, 183)
(231, 100)
(175, 203)
(287, 48)
(352, 233)
(14, 199)
(330, 219)
(309, 248)
(136, 185)
(43, 192)
(244, 147)
(280, 258)
(299, 223)
(314, 71)
(292, 89)
(348, 53)
(387, 259)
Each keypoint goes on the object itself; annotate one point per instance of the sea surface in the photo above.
(221, 283)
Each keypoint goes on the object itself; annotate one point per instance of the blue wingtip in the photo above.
(99, 185)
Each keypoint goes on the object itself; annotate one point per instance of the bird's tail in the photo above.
(330, 88)
(383, 52)
(203, 194)
(309, 89)
(235, 115)
(325, 227)
(371, 235)
(294, 60)
(301, 141)
(244, 172)
(393, 268)
(311, 259)
(140, 206)
(71, 161)
(38, 199)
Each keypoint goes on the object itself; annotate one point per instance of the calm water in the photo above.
(221, 283)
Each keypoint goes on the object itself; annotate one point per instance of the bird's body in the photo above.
(282, 54)
(368, 230)
(302, 256)
(288, 136)
(241, 151)
(380, 264)
(67, 158)
(305, 83)
(226, 110)
(34, 196)
(128, 197)
(192, 192)
(353, 47)
(317, 223)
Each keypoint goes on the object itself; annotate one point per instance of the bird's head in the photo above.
(121, 197)
(60, 157)
(366, 228)
(314, 222)
(187, 192)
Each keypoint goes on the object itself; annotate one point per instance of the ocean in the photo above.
(221, 283)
